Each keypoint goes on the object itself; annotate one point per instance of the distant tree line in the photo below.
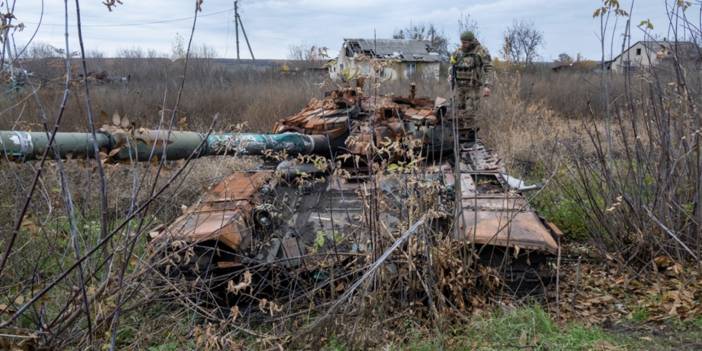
(521, 44)
(521, 40)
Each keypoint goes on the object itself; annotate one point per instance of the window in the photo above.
(387, 74)
(411, 69)
(638, 52)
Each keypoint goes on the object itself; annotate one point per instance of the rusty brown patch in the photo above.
(224, 214)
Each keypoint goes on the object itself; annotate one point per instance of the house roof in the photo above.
(685, 49)
(399, 49)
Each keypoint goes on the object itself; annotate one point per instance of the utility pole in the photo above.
(238, 23)
(236, 26)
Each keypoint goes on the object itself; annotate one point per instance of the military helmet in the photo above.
(467, 36)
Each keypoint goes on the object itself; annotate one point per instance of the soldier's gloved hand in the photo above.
(487, 92)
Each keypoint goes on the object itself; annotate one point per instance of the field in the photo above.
(619, 157)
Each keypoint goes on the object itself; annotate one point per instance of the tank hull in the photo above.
(286, 217)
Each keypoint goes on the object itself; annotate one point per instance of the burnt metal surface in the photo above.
(494, 214)
(225, 213)
(301, 210)
(354, 122)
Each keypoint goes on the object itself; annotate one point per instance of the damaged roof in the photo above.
(399, 49)
(683, 49)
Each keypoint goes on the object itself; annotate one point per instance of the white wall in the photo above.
(639, 56)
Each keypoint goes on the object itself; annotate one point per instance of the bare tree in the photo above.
(521, 42)
(564, 58)
(44, 50)
(153, 53)
(204, 51)
(178, 47)
(467, 23)
(133, 53)
(305, 52)
(96, 54)
(439, 42)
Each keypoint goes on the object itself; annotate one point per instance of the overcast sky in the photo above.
(274, 25)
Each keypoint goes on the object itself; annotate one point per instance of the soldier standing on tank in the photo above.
(471, 73)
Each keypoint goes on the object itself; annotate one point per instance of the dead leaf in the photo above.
(125, 122)
(183, 123)
(234, 313)
(245, 283)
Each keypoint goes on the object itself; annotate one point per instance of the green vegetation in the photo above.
(564, 212)
(531, 328)
(557, 203)
(524, 328)
(528, 328)
(640, 314)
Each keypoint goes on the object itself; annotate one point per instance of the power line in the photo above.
(171, 20)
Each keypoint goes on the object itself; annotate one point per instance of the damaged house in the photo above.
(647, 54)
(393, 59)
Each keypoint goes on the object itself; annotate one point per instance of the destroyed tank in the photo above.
(336, 175)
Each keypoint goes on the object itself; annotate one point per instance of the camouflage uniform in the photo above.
(473, 70)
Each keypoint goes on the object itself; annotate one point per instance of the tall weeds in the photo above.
(256, 97)
(641, 186)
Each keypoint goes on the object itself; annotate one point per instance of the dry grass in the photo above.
(258, 98)
(534, 120)
(622, 167)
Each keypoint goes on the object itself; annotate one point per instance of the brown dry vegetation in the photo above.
(534, 120)
(258, 98)
(630, 210)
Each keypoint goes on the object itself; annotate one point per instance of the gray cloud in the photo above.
(274, 25)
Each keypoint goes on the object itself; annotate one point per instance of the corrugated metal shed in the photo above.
(400, 49)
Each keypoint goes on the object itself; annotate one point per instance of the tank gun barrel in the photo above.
(144, 144)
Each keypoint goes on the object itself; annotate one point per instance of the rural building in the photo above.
(583, 66)
(646, 54)
(398, 58)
